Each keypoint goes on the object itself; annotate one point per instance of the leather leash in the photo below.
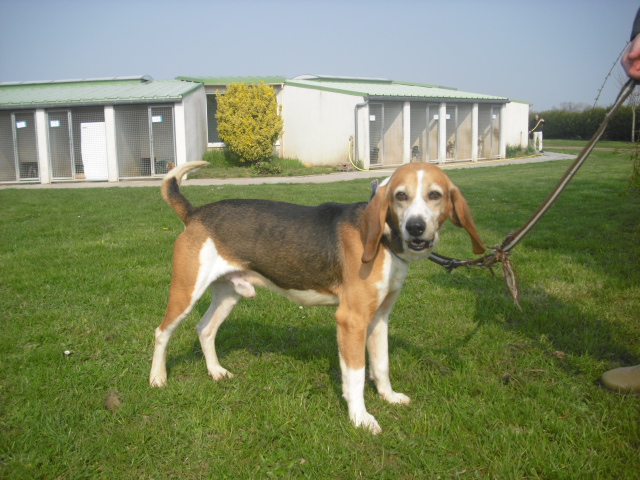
(500, 253)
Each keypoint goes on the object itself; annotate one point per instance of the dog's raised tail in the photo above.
(171, 189)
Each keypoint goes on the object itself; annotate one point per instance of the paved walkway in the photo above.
(328, 178)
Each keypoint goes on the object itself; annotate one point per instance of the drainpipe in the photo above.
(355, 156)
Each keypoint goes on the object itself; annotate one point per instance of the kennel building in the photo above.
(380, 122)
(99, 129)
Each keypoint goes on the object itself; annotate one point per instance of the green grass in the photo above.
(226, 165)
(550, 143)
(497, 392)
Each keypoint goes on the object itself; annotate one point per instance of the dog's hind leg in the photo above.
(189, 281)
(224, 296)
(177, 311)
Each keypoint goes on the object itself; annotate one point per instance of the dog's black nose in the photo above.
(416, 227)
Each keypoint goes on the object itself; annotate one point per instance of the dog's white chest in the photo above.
(394, 273)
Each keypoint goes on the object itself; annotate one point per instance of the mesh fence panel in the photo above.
(162, 139)
(452, 132)
(433, 115)
(465, 131)
(145, 140)
(26, 145)
(7, 154)
(132, 138)
(393, 134)
(60, 149)
(495, 130)
(375, 133)
(418, 131)
(484, 130)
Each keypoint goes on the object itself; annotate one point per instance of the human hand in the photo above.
(631, 59)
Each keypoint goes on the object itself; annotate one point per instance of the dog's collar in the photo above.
(393, 252)
(393, 242)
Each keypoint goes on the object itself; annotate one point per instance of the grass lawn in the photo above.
(497, 392)
(223, 164)
(551, 143)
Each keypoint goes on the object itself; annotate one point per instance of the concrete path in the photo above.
(328, 178)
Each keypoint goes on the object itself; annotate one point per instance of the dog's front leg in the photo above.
(378, 347)
(352, 331)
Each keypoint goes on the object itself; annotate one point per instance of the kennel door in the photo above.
(94, 150)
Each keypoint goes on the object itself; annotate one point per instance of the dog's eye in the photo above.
(435, 195)
(401, 196)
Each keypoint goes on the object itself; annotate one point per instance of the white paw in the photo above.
(218, 373)
(367, 421)
(395, 397)
(158, 380)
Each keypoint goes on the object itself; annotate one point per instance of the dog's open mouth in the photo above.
(419, 245)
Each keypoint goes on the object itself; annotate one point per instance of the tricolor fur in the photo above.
(355, 256)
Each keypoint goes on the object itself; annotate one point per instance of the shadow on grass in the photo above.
(255, 340)
(559, 328)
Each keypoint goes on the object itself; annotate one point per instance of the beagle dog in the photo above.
(355, 256)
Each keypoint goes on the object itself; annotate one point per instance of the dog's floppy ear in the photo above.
(460, 215)
(373, 222)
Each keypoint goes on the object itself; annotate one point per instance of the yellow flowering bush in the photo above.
(249, 120)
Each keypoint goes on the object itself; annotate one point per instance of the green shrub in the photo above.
(519, 151)
(267, 168)
(249, 122)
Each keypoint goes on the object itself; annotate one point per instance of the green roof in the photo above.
(270, 80)
(384, 89)
(93, 92)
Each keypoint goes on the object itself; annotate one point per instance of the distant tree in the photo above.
(249, 121)
(572, 107)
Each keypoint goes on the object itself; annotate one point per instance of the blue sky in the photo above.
(540, 51)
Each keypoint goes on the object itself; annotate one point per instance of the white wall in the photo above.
(317, 125)
(516, 123)
(191, 127)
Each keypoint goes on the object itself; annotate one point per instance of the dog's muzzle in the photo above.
(415, 228)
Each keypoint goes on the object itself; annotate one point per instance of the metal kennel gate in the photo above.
(488, 131)
(424, 130)
(18, 147)
(376, 139)
(385, 133)
(145, 138)
(77, 144)
(451, 126)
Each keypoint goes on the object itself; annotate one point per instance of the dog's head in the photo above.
(410, 207)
